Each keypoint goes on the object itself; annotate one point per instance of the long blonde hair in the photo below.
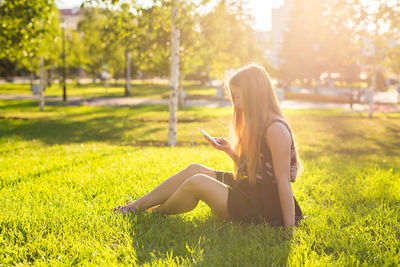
(249, 124)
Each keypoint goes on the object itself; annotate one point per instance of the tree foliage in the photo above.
(29, 29)
(209, 41)
(228, 40)
(333, 35)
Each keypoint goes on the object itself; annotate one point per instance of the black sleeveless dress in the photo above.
(260, 204)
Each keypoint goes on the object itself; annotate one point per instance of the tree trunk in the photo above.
(50, 76)
(42, 83)
(351, 99)
(175, 35)
(106, 86)
(128, 74)
(181, 99)
(106, 83)
(31, 78)
(371, 100)
(79, 76)
(31, 74)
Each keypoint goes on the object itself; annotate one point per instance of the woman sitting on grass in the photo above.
(265, 157)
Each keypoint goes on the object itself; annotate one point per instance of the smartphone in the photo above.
(209, 137)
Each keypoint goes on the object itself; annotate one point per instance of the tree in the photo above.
(376, 22)
(28, 28)
(175, 38)
(227, 38)
(30, 33)
(305, 49)
(94, 20)
(123, 36)
(155, 38)
(210, 43)
(394, 60)
(320, 39)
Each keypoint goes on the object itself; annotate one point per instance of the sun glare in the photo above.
(261, 10)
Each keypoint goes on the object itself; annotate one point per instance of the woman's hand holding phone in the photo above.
(219, 143)
(224, 145)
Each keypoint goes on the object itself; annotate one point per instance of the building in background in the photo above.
(71, 17)
(263, 40)
(279, 21)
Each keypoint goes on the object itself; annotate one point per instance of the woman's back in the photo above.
(259, 203)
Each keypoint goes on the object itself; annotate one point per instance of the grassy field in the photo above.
(63, 170)
(138, 89)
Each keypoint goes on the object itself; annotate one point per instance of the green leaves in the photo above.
(29, 29)
(109, 29)
(227, 39)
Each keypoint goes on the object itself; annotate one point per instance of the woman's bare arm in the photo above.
(279, 141)
(224, 146)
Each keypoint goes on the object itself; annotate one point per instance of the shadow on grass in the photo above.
(107, 129)
(122, 126)
(375, 137)
(34, 174)
(209, 242)
(93, 124)
(62, 132)
(7, 104)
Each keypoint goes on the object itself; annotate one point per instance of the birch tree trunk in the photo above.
(128, 73)
(175, 36)
(42, 83)
(181, 103)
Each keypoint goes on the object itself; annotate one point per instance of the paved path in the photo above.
(133, 101)
(390, 96)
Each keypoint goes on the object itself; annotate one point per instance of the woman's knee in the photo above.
(204, 188)
(193, 183)
(199, 185)
(196, 168)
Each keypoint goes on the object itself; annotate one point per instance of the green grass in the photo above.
(63, 170)
(138, 89)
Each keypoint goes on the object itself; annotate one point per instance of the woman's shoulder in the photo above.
(277, 124)
(274, 120)
(278, 131)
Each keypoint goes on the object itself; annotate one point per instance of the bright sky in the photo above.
(261, 10)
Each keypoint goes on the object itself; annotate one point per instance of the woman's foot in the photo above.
(129, 208)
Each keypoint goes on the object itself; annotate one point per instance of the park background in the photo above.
(89, 95)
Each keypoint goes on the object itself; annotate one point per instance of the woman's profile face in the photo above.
(237, 97)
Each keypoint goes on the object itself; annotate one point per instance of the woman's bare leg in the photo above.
(164, 190)
(198, 187)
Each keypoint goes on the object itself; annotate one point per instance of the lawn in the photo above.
(63, 170)
(90, 90)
